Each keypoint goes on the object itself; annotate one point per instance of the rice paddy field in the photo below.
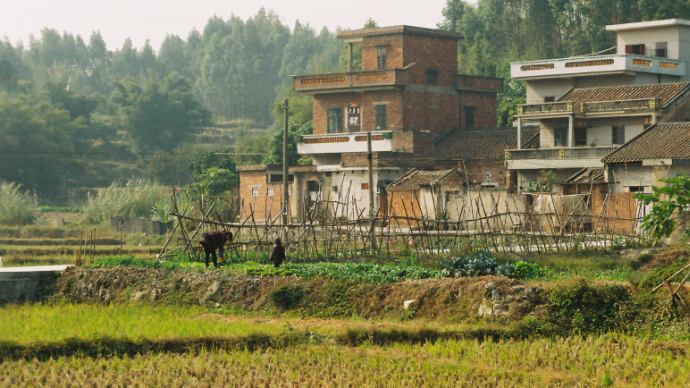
(107, 346)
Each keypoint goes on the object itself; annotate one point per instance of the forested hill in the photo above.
(235, 66)
(76, 113)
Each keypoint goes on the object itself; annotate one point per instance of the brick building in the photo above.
(408, 94)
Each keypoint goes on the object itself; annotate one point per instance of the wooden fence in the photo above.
(483, 221)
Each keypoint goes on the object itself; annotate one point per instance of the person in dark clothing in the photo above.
(278, 255)
(215, 240)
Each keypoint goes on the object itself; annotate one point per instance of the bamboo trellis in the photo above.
(483, 221)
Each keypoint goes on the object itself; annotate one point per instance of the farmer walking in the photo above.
(215, 240)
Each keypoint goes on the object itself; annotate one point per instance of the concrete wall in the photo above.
(18, 287)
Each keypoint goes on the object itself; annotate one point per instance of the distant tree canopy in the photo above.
(159, 116)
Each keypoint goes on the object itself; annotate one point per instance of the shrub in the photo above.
(480, 264)
(579, 306)
(138, 198)
(16, 207)
(287, 296)
(524, 270)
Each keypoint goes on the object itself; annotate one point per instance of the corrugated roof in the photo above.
(661, 141)
(417, 178)
(489, 143)
(668, 92)
(588, 176)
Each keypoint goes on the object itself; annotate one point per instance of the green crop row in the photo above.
(60, 209)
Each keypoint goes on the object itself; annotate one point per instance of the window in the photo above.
(469, 117)
(365, 186)
(270, 191)
(381, 58)
(550, 99)
(380, 117)
(255, 191)
(635, 189)
(335, 120)
(580, 135)
(618, 134)
(432, 76)
(661, 50)
(560, 137)
(634, 49)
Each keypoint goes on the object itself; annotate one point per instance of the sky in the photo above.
(154, 19)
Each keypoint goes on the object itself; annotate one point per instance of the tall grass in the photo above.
(137, 198)
(16, 207)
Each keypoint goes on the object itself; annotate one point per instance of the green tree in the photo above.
(667, 201)
(159, 116)
(276, 146)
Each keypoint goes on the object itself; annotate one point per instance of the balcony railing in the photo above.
(561, 153)
(350, 80)
(336, 143)
(590, 107)
(597, 64)
(547, 107)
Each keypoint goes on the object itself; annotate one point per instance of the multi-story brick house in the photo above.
(408, 94)
(587, 107)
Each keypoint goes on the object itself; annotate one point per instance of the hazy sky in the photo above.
(153, 19)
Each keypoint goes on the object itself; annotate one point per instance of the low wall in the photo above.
(18, 286)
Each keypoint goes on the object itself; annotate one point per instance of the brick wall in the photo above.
(367, 101)
(403, 203)
(485, 105)
(323, 102)
(431, 53)
(394, 110)
(262, 205)
(428, 111)
(394, 55)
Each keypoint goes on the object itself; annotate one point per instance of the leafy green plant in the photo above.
(525, 270)
(16, 207)
(667, 201)
(480, 264)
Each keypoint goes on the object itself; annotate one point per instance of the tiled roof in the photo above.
(417, 178)
(489, 143)
(588, 176)
(401, 29)
(668, 92)
(662, 141)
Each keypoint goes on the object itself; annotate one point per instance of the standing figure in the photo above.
(215, 240)
(278, 255)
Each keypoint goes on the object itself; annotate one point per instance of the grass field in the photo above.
(198, 347)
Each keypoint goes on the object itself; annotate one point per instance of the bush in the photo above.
(16, 207)
(480, 264)
(658, 275)
(138, 198)
(287, 296)
(524, 270)
(581, 307)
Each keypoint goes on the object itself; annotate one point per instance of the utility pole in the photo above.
(372, 208)
(285, 170)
